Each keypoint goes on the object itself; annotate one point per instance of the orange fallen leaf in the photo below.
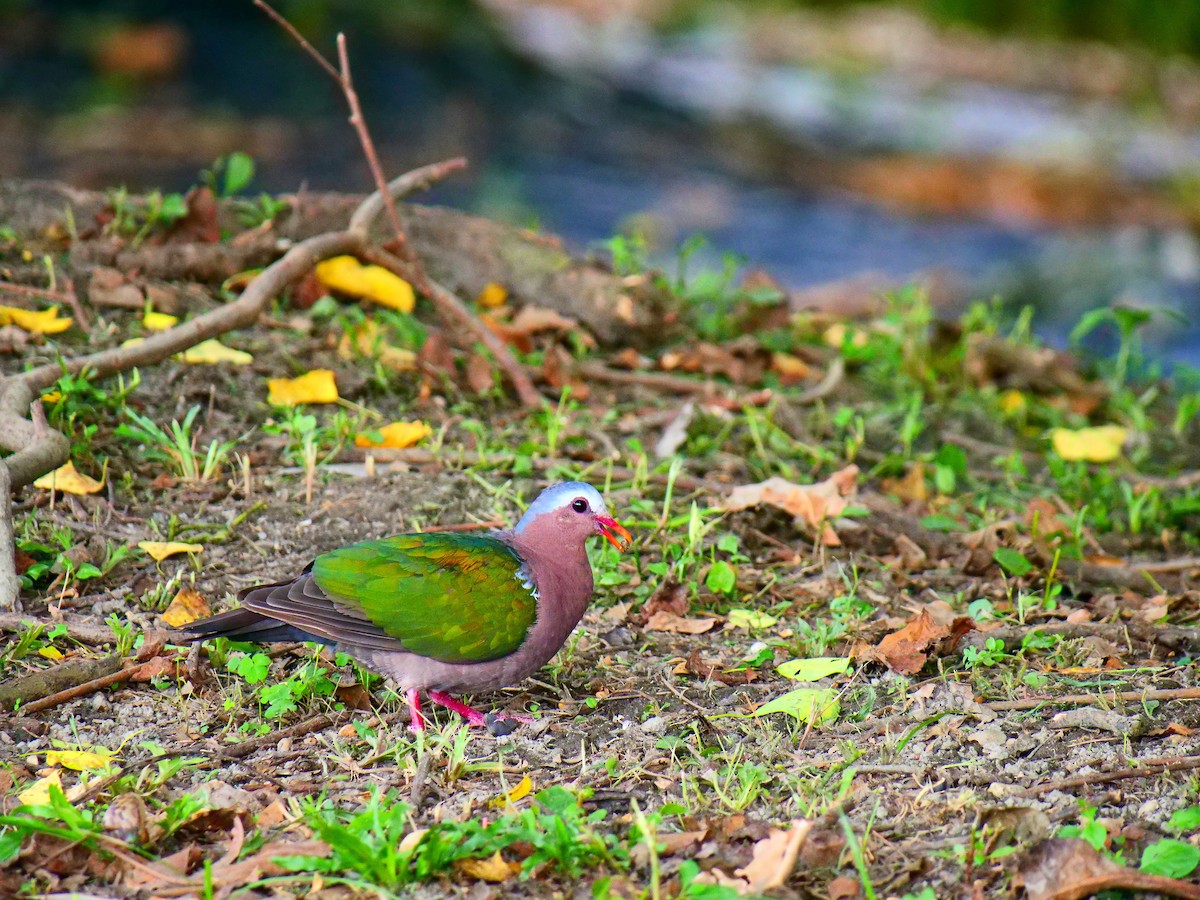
(911, 488)
(812, 504)
(396, 436)
(495, 868)
(317, 386)
(69, 481)
(668, 621)
(905, 651)
(789, 368)
(187, 606)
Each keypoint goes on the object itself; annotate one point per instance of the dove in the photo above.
(441, 612)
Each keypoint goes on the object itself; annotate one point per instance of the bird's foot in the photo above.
(473, 716)
(416, 721)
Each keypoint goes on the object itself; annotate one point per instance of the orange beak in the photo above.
(614, 533)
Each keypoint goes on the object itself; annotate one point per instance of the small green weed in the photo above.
(177, 445)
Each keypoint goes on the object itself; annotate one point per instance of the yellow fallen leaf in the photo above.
(367, 339)
(188, 606)
(81, 760)
(492, 295)
(316, 386)
(836, 334)
(38, 793)
(51, 396)
(512, 795)
(1099, 444)
(45, 321)
(750, 619)
(68, 480)
(1012, 401)
(50, 653)
(495, 868)
(790, 368)
(158, 321)
(212, 352)
(347, 275)
(160, 550)
(396, 436)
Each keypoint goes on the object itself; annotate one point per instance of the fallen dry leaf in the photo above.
(81, 760)
(127, 818)
(44, 321)
(518, 791)
(347, 275)
(69, 481)
(492, 295)
(479, 373)
(187, 606)
(911, 488)
(675, 433)
(772, 864)
(668, 621)
(38, 793)
(670, 596)
(789, 368)
(212, 352)
(495, 868)
(396, 435)
(317, 386)
(1099, 444)
(160, 550)
(367, 339)
(159, 321)
(905, 651)
(812, 504)
(703, 669)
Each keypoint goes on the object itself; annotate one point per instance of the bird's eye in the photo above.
(579, 505)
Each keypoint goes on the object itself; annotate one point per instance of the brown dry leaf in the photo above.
(479, 373)
(911, 488)
(274, 814)
(536, 319)
(187, 606)
(742, 361)
(151, 669)
(670, 596)
(775, 857)
(494, 868)
(1055, 866)
(671, 844)
(789, 368)
(1042, 518)
(200, 225)
(812, 504)
(703, 669)
(127, 817)
(905, 651)
(110, 287)
(843, 888)
(668, 621)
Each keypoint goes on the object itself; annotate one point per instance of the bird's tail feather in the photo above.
(246, 625)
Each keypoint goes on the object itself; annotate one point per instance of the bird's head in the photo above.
(572, 511)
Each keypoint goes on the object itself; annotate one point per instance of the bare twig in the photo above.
(81, 690)
(418, 179)
(32, 291)
(454, 311)
(1102, 697)
(1178, 764)
(1130, 880)
(308, 726)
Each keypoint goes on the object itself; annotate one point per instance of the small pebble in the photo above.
(654, 725)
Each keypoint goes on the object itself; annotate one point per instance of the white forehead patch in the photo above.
(558, 496)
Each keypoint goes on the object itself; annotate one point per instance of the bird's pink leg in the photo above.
(473, 716)
(416, 721)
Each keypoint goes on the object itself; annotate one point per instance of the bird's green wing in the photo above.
(458, 598)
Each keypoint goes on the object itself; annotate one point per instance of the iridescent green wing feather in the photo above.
(458, 598)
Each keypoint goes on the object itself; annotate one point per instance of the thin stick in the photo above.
(31, 291)
(1130, 880)
(346, 83)
(454, 311)
(1180, 764)
(80, 690)
(308, 726)
(1090, 699)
